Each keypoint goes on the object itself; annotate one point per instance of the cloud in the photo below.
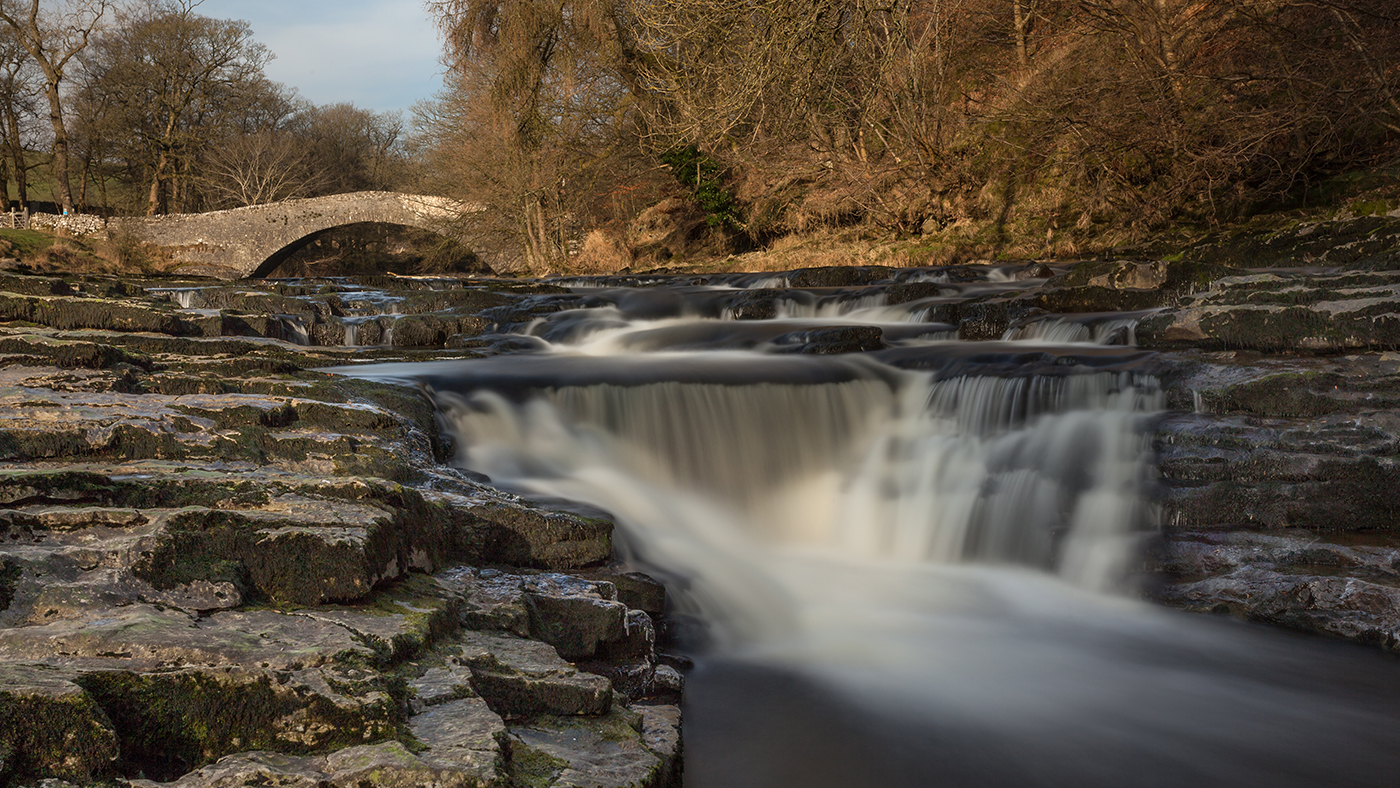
(379, 54)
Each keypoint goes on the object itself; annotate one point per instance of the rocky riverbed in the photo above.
(221, 565)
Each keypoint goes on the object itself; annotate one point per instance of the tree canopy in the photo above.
(152, 108)
(1067, 120)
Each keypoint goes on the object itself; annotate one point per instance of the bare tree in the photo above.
(262, 167)
(350, 148)
(539, 121)
(175, 79)
(21, 91)
(53, 40)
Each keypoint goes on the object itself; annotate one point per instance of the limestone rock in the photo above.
(606, 752)
(439, 685)
(491, 599)
(462, 736)
(249, 768)
(521, 678)
(520, 535)
(574, 615)
(51, 728)
(386, 765)
(146, 637)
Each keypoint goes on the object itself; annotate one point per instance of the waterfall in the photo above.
(1041, 472)
(937, 538)
(294, 329)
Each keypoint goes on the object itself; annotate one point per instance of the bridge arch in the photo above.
(242, 242)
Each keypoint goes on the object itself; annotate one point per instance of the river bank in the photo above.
(221, 563)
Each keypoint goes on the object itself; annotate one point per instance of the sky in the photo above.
(378, 54)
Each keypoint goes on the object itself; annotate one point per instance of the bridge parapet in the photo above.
(243, 242)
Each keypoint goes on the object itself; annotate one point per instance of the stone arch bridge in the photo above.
(253, 241)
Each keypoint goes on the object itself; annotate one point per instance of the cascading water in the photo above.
(913, 561)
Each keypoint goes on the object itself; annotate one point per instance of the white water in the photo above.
(299, 334)
(1061, 331)
(942, 558)
(729, 482)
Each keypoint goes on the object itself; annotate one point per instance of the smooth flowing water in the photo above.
(913, 560)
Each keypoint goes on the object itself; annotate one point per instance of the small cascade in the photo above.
(1061, 329)
(294, 330)
(935, 533)
(186, 297)
(352, 333)
(768, 282)
(867, 307)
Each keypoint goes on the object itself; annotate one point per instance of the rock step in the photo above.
(524, 678)
(259, 534)
(624, 749)
(51, 728)
(385, 765)
(1290, 578)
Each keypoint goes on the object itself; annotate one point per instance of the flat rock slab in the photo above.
(605, 752)
(138, 637)
(387, 765)
(522, 678)
(461, 735)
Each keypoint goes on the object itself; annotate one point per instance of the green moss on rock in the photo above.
(49, 728)
(171, 723)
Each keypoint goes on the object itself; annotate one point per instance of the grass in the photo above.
(24, 243)
(40, 252)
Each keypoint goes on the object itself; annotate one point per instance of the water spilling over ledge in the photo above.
(935, 538)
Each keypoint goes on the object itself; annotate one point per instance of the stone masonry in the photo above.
(252, 241)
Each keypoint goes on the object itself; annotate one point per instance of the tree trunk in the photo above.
(21, 166)
(153, 203)
(83, 184)
(102, 193)
(1022, 22)
(60, 146)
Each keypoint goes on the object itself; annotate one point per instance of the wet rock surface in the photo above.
(222, 565)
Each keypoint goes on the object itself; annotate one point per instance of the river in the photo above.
(904, 559)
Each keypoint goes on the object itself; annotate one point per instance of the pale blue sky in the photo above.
(379, 54)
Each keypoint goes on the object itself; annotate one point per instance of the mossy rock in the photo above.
(69, 354)
(601, 751)
(285, 561)
(65, 312)
(170, 723)
(44, 444)
(1366, 243)
(51, 728)
(520, 535)
(400, 620)
(21, 284)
